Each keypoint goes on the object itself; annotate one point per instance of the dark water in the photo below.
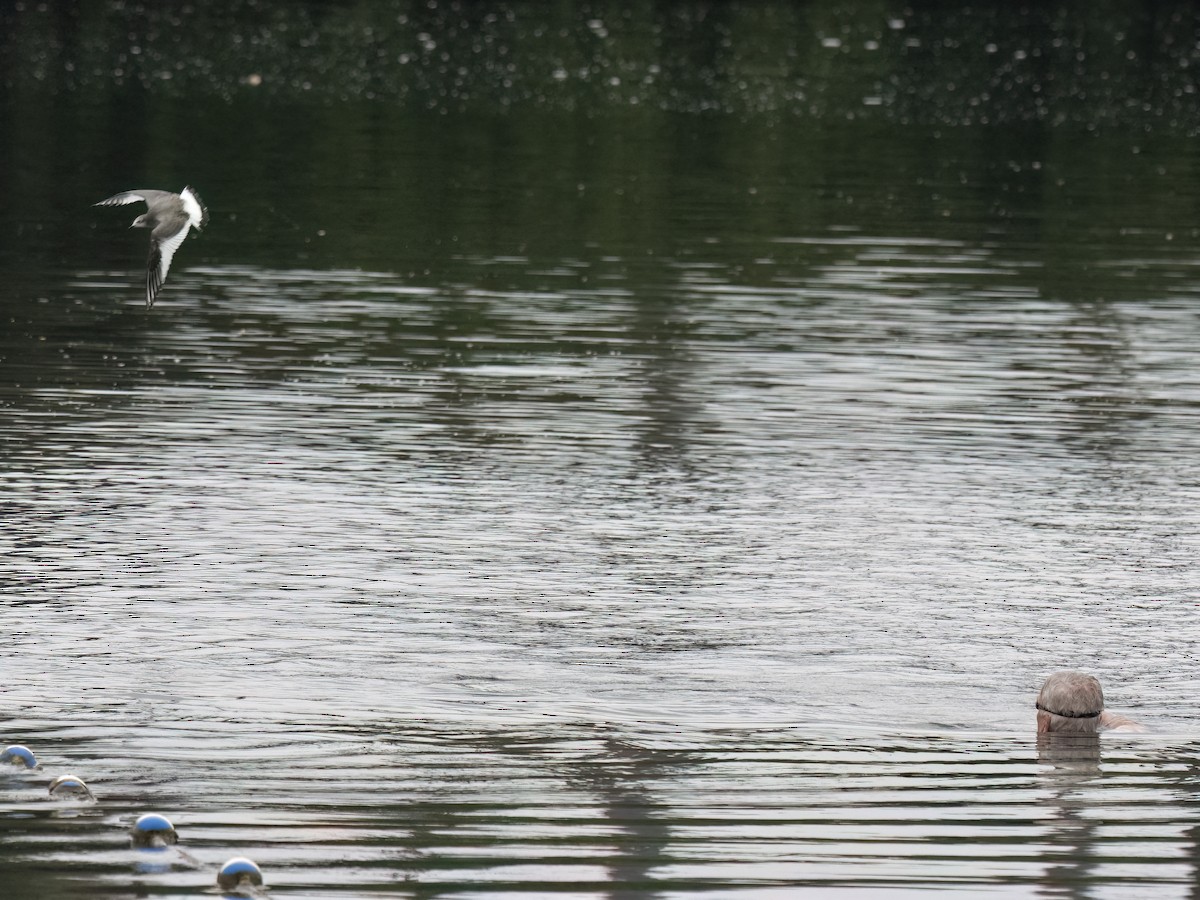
(540, 484)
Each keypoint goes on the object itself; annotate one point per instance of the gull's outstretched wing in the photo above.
(162, 251)
(126, 197)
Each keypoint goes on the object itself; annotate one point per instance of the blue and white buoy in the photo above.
(18, 755)
(153, 832)
(70, 786)
(239, 873)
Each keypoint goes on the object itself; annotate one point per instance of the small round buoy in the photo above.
(239, 871)
(69, 786)
(153, 831)
(18, 756)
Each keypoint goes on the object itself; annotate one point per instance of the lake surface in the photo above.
(534, 484)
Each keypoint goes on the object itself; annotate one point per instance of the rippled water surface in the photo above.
(608, 503)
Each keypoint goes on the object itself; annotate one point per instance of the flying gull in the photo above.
(169, 216)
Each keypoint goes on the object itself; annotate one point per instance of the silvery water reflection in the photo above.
(770, 539)
(544, 810)
(592, 502)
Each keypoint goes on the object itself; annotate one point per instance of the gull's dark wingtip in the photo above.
(153, 284)
(118, 199)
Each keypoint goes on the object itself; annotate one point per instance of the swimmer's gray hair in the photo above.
(1074, 700)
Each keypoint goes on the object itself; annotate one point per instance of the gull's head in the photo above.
(142, 221)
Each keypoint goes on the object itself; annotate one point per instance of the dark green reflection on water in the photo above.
(403, 136)
(1090, 64)
(431, 197)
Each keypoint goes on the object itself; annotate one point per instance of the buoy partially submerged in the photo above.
(239, 872)
(152, 831)
(18, 755)
(70, 786)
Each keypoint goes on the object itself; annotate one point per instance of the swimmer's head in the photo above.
(152, 831)
(1070, 702)
(18, 756)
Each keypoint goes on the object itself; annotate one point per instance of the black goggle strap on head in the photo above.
(1065, 715)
